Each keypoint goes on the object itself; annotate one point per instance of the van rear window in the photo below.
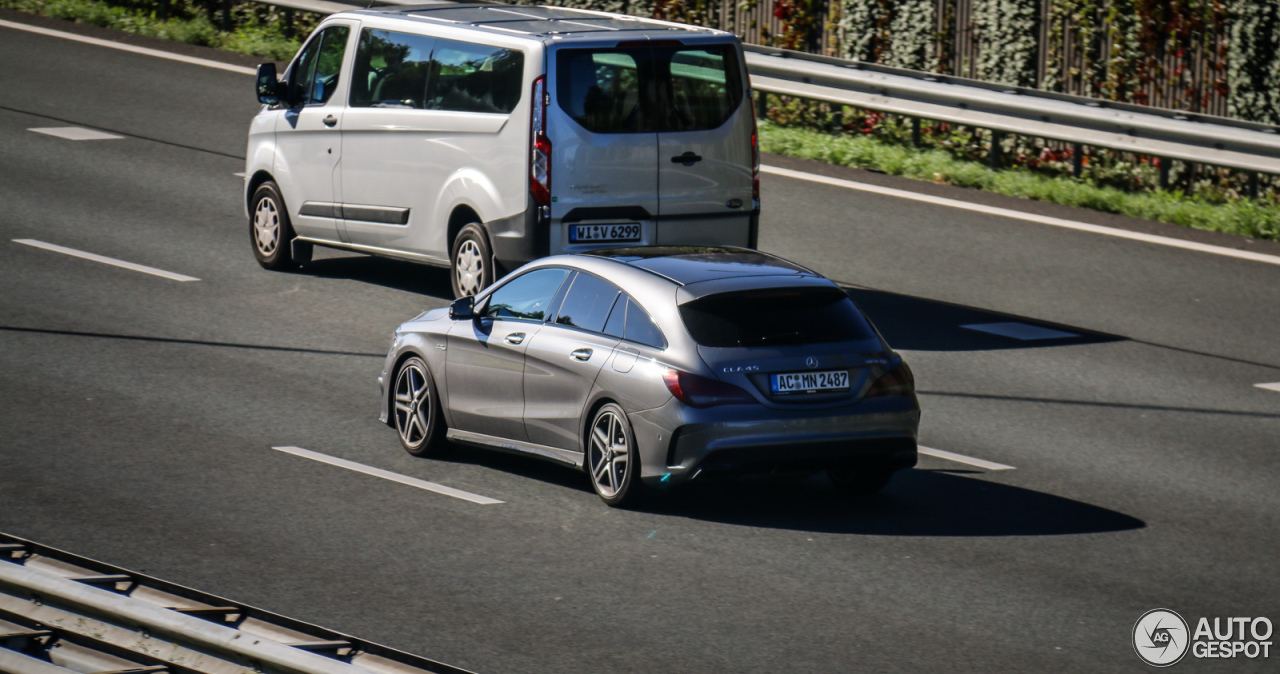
(775, 316)
(648, 89)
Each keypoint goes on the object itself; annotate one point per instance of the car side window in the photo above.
(319, 66)
(475, 78)
(641, 329)
(391, 70)
(527, 296)
(587, 303)
(617, 323)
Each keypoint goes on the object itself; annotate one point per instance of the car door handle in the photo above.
(688, 159)
(515, 338)
(330, 121)
(582, 354)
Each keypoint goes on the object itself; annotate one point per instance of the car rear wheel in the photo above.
(270, 231)
(416, 409)
(612, 461)
(856, 483)
(472, 262)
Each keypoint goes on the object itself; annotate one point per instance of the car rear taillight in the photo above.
(896, 382)
(696, 391)
(755, 158)
(540, 153)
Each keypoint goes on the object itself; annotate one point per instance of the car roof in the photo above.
(686, 265)
(558, 23)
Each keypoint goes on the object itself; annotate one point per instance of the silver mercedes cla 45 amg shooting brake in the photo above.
(651, 366)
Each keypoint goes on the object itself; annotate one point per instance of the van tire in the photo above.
(472, 261)
(270, 232)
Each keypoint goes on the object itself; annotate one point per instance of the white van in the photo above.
(483, 136)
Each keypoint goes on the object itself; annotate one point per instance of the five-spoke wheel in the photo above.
(611, 457)
(415, 408)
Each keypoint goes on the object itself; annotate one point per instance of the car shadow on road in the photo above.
(395, 274)
(916, 503)
(918, 324)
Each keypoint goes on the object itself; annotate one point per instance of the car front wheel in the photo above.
(416, 409)
(270, 231)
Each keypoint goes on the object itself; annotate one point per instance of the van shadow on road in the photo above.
(918, 324)
(916, 503)
(395, 274)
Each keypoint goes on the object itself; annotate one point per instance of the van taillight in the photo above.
(755, 159)
(540, 154)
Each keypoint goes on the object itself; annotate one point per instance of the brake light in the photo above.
(896, 382)
(696, 391)
(540, 152)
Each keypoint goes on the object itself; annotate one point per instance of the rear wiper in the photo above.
(777, 336)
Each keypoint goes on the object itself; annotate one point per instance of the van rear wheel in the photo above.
(472, 261)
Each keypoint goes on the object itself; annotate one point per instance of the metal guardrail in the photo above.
(64, 614)
(1081, 121)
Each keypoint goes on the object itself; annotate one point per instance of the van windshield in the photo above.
(649, 89)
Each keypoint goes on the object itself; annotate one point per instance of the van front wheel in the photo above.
(269, 229)
(472, 261)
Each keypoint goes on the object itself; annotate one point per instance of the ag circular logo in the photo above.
(1160, 637)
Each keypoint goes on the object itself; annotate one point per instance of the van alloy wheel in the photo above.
(266, 226)
(469, 268)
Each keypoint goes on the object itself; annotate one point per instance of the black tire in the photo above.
(270, 232)
(472, 261)
(415, 409)
(613, 466)
(858, 483)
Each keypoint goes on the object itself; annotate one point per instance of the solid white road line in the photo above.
(106, 260)
(128, 47)
(1019, 215)
(76, 133)
(961, 458)
(1020, 331)
(387, 475)
(1270, 387)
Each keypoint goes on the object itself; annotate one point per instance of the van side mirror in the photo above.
(269, 88)
(463, 308)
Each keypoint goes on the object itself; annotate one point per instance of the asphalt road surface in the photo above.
(138, 416)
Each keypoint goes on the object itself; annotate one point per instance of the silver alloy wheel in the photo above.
(413, 405)
(266, 227)
(608, 457)
(469, 268)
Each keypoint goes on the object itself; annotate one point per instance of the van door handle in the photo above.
(582, 354)
(330, 121)
(515, 338)
(688, 159)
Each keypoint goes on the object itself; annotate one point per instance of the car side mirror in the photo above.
(463, 308)
(269, 87)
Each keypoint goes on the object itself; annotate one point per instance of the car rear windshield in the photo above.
(775, 317)
(648, 89)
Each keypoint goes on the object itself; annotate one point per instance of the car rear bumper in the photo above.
(679, 443)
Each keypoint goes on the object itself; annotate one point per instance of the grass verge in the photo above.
(1244, 217)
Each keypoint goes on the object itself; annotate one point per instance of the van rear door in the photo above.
(604, 149)
(704, 144)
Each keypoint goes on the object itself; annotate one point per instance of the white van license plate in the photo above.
(603, 233)
(807, 382)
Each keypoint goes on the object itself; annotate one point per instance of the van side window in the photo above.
(475, 78)
(391, 70)
(318, 67)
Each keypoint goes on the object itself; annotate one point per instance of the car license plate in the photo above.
(603, 233)
(810, 382)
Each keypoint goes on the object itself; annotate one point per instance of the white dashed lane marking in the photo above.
(961, 458)
(76, 133)
(1274, 386)
(1020, 331)
(387, 475)
(106, 260)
